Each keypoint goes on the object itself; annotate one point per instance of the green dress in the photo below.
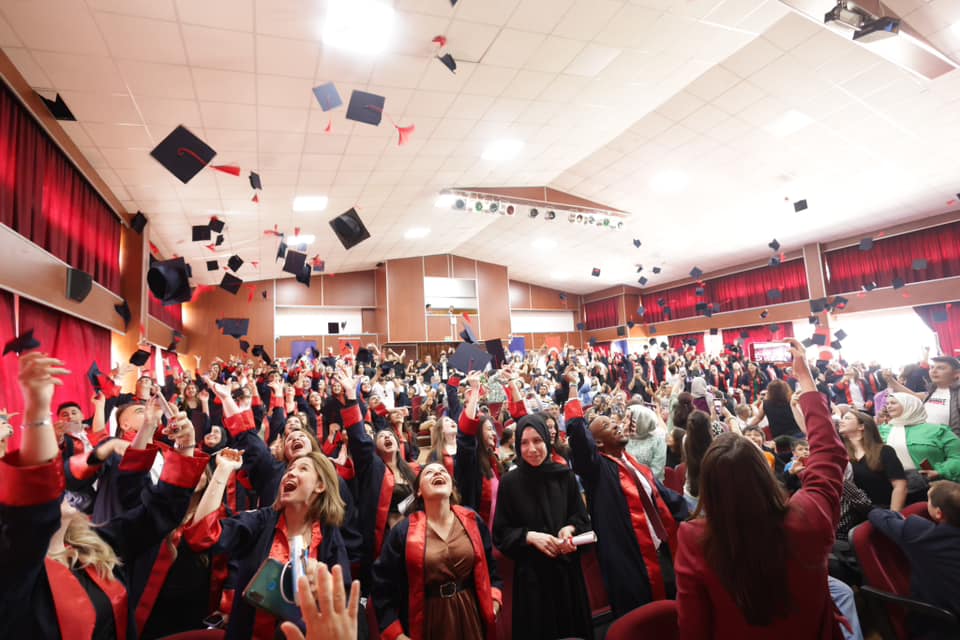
(934, 443)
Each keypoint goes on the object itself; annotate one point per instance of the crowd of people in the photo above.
(392, 490)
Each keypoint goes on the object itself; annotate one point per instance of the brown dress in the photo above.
(451, 560)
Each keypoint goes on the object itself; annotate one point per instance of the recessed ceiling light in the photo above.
(309, 203)
(669, 181)
(788, 124)
(414, 233)
(360, 26)
(544, 243)
(502, 149)
(445, 200)
(303, 238)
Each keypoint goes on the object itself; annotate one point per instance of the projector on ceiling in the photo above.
(847, 14)
(879, 29)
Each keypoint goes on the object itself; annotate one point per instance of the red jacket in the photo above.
(705, 608)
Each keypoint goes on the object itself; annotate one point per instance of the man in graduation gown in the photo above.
(634, 516)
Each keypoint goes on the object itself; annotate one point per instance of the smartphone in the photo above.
(925, 465)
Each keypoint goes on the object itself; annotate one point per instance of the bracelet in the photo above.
(186, 446)
(46, 422)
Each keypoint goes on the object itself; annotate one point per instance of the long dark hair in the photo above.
(405, 471)
(683, 409)
(695, 444)
(738, 487)
(778, 392)
(872, 442)
(489, 460)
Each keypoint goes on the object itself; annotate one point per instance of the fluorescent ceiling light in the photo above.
(303, 238)
(788, 124)
(309, 203)
(669, 182)
(502, 149)
(360, 26)
(544, 243)
(445, 200)
(414, 233)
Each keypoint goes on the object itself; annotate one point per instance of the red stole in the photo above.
(75, 613)
(383, 508)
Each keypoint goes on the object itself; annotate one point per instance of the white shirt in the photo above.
(856, 396)
(646, 487)
(938, 406)
(897, 438)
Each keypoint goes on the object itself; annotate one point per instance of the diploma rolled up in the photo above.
(588, 537)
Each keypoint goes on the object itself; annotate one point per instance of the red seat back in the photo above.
(680, 471)
(655, 620)
(670, 480)
(596, 589)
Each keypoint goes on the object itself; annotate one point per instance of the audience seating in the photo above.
(655, 620)
(886, 576)
(671, 480)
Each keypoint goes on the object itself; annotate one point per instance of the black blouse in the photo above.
(878, 484)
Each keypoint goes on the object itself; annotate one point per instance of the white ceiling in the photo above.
(604, 93)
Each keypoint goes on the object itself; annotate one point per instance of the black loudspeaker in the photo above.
(621, 331)
(333, 328)
(79, 284)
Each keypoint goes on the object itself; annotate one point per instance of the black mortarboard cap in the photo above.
(58, 108)
(255, 182)
(637, 243)
(448, 62)
(592, 342)
(774, 328)
(866, 244)
(898, 283)
(563, 296)
(212, 265)
(305, 276)
(495, 349)
(870, 286)
(139, 358)
(333, 328)
(23, 342)
(631, 324)
(343, 324)
(744, 334)
(817, 305)
(642, 281)
(364, 355)
(662, 302)
(183, 154)
(327, 96)
(764, 314)
(93, 375)
(169, 281)
(807, 342)
(259, 352)
(365, 107)
(595, 272)
(815, 320)
(652, 341)
(349, 229)
(839, 302)
(652, 330)
(294, 262)
(467, 335)
(708, 312)
(774, 245)
(641, 311)
(840, 335)
(219, 241)
(696, 273)
(699, 292)
(244, 346)
(939, 315)
(799, 205)
(581, 326)
(714, 331)
(664, 345)
(700, 307)
(656, 270)
(231, 283)
(836, 345)
(774, 294)
(774, 261)
(234, 327)
(123, 310)
(200, 233)
(819, 339)
(692, 342)
(715, 307)
(919, 264)
(235, 262)
(469, 357)
(281, 250)
(216, 224)
(138, 222)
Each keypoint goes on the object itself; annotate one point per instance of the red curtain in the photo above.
(944, 319)
(601, 314)
(679, 342)
(44, 198)
(171, 315)
(10, 397)
(745, 290)
(758, 333)
(172, 361)
(849, 269)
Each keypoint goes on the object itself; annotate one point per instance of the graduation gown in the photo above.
(550, 597)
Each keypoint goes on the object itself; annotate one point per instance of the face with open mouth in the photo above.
(387, 445)
(296, 445)
(435, 481)
(300, 483)
(490, 435)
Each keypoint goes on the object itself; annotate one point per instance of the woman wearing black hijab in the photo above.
(539, 510)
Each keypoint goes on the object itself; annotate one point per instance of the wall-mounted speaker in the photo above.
(621, 331)
(79, 284)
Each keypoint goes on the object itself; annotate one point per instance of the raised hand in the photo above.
(328, 613)
(39, 374)
(229, 460)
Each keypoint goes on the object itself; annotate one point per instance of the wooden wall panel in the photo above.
(352, 289)
(405, 301)
(437, 266)
(544, 298)
(464, 267)
(438, 328)
(380, 289)
(493, 291)
(368, 321)
(519, 295)
(284, 344)
(199, 321)
(291, 292)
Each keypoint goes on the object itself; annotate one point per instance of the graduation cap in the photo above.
(592, 342)
(708, 312)
(235, 262)
(495, 349)
(234, 327)
(364, 356)
(807, 342)
(814, 320)
(365, 107)
(774, 328)
(817, 305)
(774, 245)
(244, 346)
(23, 342)
(327, 96)
(642, 281)
(652, 330)
(919, 264)
(294, 262)
(774, 294)
(799, 205)
(637, 243)
(469, 357)
(898, 283)
(774, 261)
(304, 277)
(631, 324)
(448, 62)
(664, 346)
(870, 286)
(764, 314)
(212, 265)
(714, 331)
(652, 341)
(333, 328)
(696, 273)
(656, 270)
(216, 224)
(840, 335)
(692, 342)
(699, 292)
(317, 265)
(641, 311)
(259, 352)
(343, 324)
(169, 281)
(938, 316)
(661, 302)
(744, 334)
(231, 283)
(715, 307)
(123, 310)
(138, 222)
(467, 335)
(183, 154)
(281, 249)
(349, 229)
(563, 296)
(700, 307)
(255, 182)
(58, 108)
(93, 375)
(819, 339)
(866, 244)
(581, 326)
(139, 358)
(595, 272)
(200, 233)
(836, 345)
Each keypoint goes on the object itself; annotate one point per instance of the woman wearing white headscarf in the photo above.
(648, 442)
(930, 449)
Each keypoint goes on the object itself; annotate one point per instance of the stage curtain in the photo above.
(171, 315)
(44, 198)
(10, 397)
(944, 319)
(601, 314)
(758, 333)
(679, 342)
(848, 269)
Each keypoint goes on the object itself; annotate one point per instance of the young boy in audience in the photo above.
(793, 469)
(932, 548)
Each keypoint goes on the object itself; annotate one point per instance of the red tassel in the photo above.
(227, 168)
(253, 290)
(255, 263)
(329, 127)
(405, 133)
(255, 198)
(272, 232)
(440, 40)
(154, 250)
(212, 247)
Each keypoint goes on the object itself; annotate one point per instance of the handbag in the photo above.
(271, 589)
